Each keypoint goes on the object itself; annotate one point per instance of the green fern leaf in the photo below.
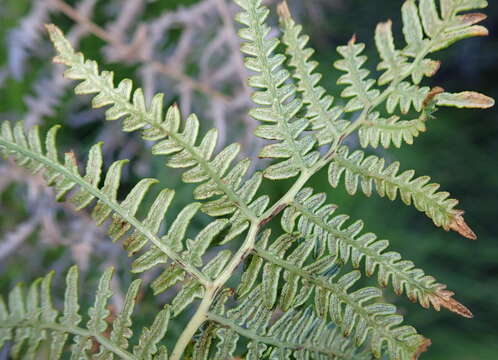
(378, 131)
(219, 180)
(311, 219)
(278, 104)
(315, 276)
(296, 333)
(33, 319)
(292, 301)
(426, 31)
(393, 62)
(121, 327)
(185, 254)
(99, 312)
(150, 338)
(367, 172)
(358, 86)
(406, 96)
(324, 117)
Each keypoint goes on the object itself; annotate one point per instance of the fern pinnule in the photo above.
(359, 87)
(369, 172)
(310, 218)
(32, 319)
(379, 131)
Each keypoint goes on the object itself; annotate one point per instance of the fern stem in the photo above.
(200, 316)
(74, 330)
(239, 256)
(199, 276)
(289, 197)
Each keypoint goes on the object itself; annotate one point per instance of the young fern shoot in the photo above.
(293, 300)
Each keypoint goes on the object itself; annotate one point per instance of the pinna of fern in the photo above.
(293, 277)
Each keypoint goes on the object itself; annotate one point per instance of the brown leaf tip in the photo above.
(460, 226)
(445, 299)
(283, 10)
(424, 346)
(473, 18)
(480, 101)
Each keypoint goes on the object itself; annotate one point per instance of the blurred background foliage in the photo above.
(201, 71)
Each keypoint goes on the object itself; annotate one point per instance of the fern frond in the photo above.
(378, 131)
(277, 100)
(221, 183)
(367, 172)
(33, 323)
(296, 333)
(182, 258)
(310, 218)
(324, 117)
(307, 270)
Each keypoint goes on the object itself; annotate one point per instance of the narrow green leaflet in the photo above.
(324, 116)
(370, 172)
(276, 100)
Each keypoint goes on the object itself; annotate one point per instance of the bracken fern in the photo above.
(293, 300)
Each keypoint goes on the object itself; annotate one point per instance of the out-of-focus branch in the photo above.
(13, 240)
(160, 67)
